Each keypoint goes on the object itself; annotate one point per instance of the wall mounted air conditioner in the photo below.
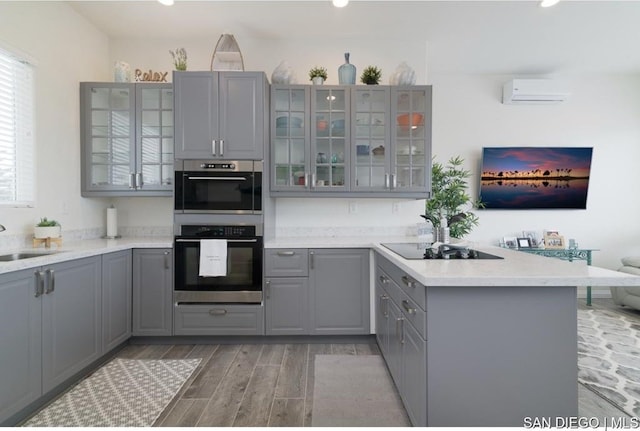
(533, 91)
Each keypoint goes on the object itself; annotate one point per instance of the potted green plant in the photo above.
(47, 229)
(450, 201)
(318, 75)
(179, 58)
(371, 75)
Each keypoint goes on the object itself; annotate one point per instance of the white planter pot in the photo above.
(46, 232)
(317, 80)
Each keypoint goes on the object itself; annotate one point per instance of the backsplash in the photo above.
(25, 240)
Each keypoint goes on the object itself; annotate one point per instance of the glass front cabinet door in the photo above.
(411, 139)
(329, 136)
(127, 139)
(290, 138)
(370, 152)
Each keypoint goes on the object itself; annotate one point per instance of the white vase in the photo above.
(122, 72)
(317, 80)
(46, 232)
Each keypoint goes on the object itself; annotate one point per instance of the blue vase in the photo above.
(347, 72)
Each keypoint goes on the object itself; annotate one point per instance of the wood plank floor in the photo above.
(244, 385)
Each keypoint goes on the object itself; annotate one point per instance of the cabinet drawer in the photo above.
(286, 262)
(223, 319)
(415, 290)
(414, 314)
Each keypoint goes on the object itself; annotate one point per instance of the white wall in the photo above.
(67, 50)
(467, 114)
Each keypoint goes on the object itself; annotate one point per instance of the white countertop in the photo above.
(80, 249)
(516, 269)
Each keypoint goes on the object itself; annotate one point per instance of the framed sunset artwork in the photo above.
(535, 177)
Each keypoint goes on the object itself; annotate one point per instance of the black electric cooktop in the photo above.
(419, 251)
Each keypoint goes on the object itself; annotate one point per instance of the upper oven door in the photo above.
(218, 192)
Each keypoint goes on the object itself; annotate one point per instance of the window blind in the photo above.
(17, 182)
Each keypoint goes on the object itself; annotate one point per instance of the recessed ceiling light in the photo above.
(340, 3)
(547, 3)
(166, 2)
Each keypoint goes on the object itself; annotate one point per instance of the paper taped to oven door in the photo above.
(213, 258)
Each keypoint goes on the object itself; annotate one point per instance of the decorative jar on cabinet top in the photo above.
(347, 72)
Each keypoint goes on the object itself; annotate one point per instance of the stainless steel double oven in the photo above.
(218, 199)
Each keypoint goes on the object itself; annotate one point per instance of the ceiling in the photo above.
(500, 36)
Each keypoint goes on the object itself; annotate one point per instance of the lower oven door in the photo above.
(242, 284)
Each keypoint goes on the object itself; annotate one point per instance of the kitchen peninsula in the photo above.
(478, 342)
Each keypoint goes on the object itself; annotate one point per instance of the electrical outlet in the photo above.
(64, 207)
(353, 207)
(395, 207)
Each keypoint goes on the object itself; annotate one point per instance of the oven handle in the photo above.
(219, 178)
(229, 240)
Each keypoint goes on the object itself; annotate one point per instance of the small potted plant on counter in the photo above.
(318, 75)
(47, 229)
(371, 75)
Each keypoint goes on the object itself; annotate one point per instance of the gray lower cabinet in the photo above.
(218, 319)
(20, 341)
(401, 335)
(71, 324)
(317, 291)
(339, 291)
(116, 299)
(152, 289)
(286, 306)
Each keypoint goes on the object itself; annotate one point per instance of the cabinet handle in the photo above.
(313, 181)
(311, 259)
(51, 285)
(383, 310)
(408, 281)
(286, 253)
(394, 181)
(221, 147)
(132, 180)
(217, 312)
(399, 334)
(166, 260)
(139, 182)
(39, 283)
(386, 181)
(383, 279)
(267, 289)
(213, 147)
(306, 180)
(407, 307)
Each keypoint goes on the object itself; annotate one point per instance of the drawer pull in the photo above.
(383, 300)
(408, 281)
(39, 283)
(286, 253)
(217, 312)
(407, 307)
(383, 279)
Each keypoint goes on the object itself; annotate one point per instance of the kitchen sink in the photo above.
(23, 255)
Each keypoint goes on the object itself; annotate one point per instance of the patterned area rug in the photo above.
(355, 391)
(123, 393)
(609, 357)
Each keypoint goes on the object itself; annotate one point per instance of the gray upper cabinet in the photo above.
(70, 319)
(116, 299)
(21, 341)
(220, 115)
(152, 288)
(356, 141)
(339, 291)
(127, 139)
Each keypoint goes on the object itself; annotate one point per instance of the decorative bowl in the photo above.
(414, 119)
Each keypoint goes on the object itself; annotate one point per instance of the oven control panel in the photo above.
(218, 231)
